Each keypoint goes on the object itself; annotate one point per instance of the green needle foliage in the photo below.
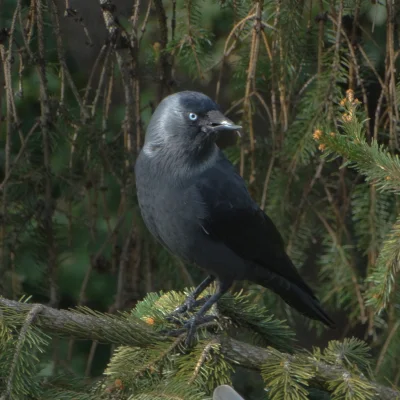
(349, 353)
(21, 352)
(373, 160)
(164, 367)
(383, 277)
(286, 379)
(349, 388)
(381, 168)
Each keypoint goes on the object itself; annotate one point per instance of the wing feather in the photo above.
(233, 218)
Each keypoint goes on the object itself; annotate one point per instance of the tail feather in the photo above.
(303, 301)
(305, 304)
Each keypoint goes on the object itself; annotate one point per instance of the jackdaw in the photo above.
(196, 205)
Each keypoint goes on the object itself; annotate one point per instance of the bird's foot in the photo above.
(193, 324)
(186, 306)
(190, 327)
(189, 304)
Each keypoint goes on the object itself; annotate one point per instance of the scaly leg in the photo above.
(199, 317)
(190, 301)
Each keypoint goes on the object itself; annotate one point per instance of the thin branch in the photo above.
(45, 125)
(163, 66)
(19, 155)
(120, 39)
(386, 346)
(251, 87)
(61, 59)
(124, 260)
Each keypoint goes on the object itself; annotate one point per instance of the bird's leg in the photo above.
(190, 301)
(199, 318)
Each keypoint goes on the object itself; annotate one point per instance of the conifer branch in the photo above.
(109, 329)
(105, 328)
(254, 357)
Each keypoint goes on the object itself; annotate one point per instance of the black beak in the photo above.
(218, 122)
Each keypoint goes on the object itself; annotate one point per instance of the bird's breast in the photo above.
(173, 214)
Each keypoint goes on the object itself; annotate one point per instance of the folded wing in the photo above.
(235, 219)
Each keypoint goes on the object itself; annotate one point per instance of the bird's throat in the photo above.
(181, 164)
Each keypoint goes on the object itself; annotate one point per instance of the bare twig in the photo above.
(163, 67)
(120, 39)
(251, 86)
(45, 125)
(19, 155)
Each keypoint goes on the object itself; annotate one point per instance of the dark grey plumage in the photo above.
(194, 202)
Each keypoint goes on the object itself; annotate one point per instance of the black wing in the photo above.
(233, 218)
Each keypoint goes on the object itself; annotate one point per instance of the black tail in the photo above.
(304, 303)
(299, 296)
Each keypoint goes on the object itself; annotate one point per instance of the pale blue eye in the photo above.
(192, 116)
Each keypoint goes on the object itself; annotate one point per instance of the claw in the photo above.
(189, 304)
(199, 318)
(186, 306)
(190, 327)
(191, 330)
(192, 324)
(173, 318)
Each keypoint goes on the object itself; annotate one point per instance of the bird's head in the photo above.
(186, 124)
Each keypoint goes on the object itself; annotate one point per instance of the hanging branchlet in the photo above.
(379, 166)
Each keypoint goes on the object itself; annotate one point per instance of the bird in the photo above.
(195, 203)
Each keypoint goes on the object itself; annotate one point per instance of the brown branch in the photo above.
(62, 60)
(135, 43)
(144, 24)
(163, 67)
(11, 116)
(227, 51)
(45, 119)
(124, 261)
(250, 87)
(19, 155)
(391, 75)
(120, 39)
(386, 346)
(321, 29)
(90, 359)
(7, 151)
(7, 70)
(92, 327)
(73, 13)
(103, 54)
